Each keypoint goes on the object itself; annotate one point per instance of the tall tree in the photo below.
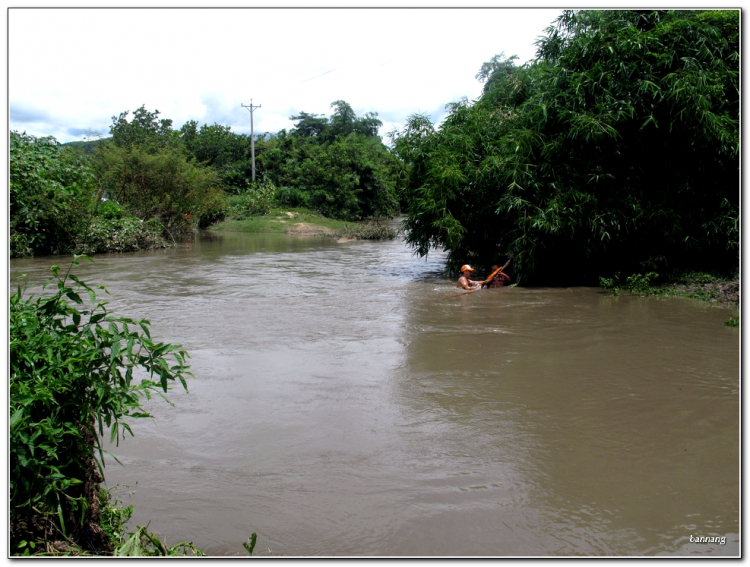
(145, 130)
(309, 125)
(617, 147)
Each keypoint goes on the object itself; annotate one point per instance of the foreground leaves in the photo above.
(74, 372)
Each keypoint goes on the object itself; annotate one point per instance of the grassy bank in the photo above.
(281, 221)
(705, 286)
(303, 222)
(702, 286)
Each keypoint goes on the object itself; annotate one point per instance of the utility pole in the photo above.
(252, 132)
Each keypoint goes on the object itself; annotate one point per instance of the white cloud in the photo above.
(79, 67)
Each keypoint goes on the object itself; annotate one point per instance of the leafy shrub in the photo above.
(113, 515)
(159, 183)
(366, 231)
(73, 372)
(21, 245)
(126, 234)
(110, 210)
(639, 283)
(348, 176)
(292, 197)
(256, 200)
(611, 284)
(143, 543)
(50, 190)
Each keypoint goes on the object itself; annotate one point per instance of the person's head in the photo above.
(466, 270)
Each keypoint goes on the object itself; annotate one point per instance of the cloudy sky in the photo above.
(71, 70)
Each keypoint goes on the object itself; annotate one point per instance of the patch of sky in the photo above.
(78, 132)
(27, 115)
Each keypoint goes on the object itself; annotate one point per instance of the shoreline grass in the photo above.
(279, 221)
(305, 222)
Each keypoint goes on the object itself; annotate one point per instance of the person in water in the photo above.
(464, 281)
(500, 279)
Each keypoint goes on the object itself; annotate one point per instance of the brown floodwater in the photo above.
(340, 408)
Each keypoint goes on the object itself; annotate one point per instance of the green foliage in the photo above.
(309, 125)
(349, 177)
(87, 146)
(496, 69)
(145, 131)
(74, 371)
(611, 284)
(50, 191)
(256, 200)
(110, 210)
(226, 152)
(120, 234)
(337, 166)
(618, 144)
(160, 184)
(143, 543)
(280, 221)
(250, 544)
(366, 231)
(693, 284)
(343, 121)
(292, 197)
(113, 515)
(733, 322)
(639, 283)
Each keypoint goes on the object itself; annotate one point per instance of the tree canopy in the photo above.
(51, 187)
(337, 165)
(618, 147)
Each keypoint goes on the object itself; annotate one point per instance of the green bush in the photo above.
(110, 210)
(51, 188)
(113, 515)
(339, 168)
(161, 183)
(74, 372)
(640, 283)
(256, 200)
(126, 234)
(21, 245)
(366, 231)
(292, 197)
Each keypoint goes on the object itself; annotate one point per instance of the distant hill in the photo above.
(86, 147)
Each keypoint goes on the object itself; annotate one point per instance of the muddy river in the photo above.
(340, 408)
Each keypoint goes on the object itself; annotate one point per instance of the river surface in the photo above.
(341, 408)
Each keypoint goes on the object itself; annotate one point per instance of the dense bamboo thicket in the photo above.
(616, 150)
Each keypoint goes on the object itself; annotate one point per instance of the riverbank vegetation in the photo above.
(616, 150)
(611, 158)
(76, 372)
(150, 185)
(703, 286)
(299, 221)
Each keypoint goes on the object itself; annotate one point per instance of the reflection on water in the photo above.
(339, 409)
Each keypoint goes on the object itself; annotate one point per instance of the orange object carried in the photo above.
(483, 284)
(493, 274)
